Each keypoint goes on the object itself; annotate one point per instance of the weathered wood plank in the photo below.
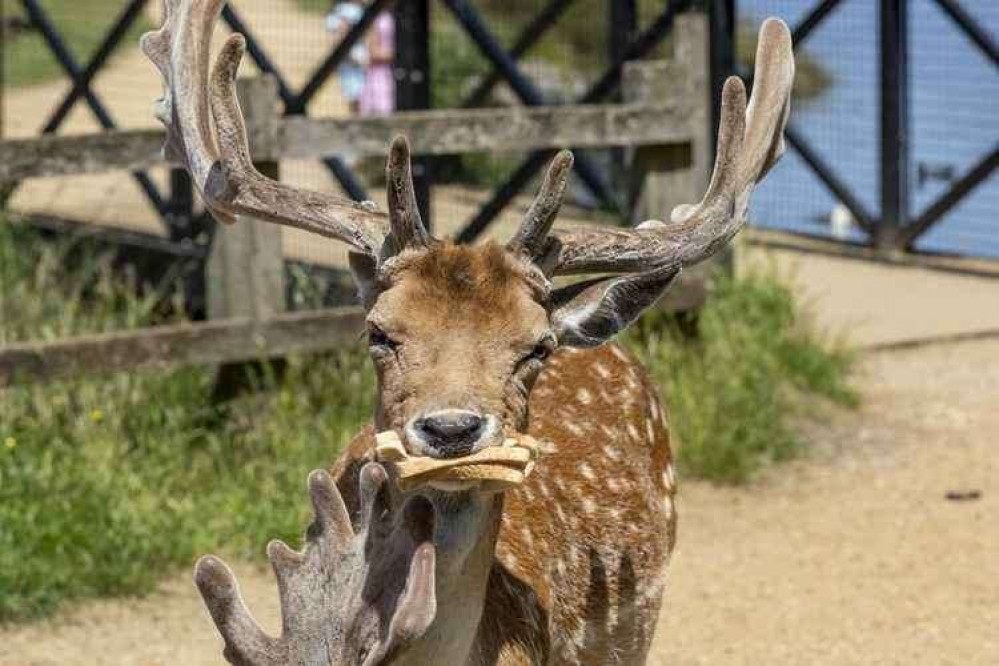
(446, 132)
(431, 132)
(217, 342)
(222, 341)
(86, 153)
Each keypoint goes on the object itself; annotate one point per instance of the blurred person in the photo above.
(344, 15)
(378, 93)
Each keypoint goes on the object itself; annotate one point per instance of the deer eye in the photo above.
(379, 338)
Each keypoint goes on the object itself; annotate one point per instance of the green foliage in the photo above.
(734, 389)
(51, 291)
(109, 483)
(82, 24)
(317, 6)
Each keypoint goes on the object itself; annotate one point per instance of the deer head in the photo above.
(348, 598)
(457, 333)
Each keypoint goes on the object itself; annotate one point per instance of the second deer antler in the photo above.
(206, 134)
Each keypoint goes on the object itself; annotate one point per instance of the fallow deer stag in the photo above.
(473, 344)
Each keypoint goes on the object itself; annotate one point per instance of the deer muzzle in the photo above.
(492, 469)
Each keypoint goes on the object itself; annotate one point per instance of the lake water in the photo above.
(954, 121)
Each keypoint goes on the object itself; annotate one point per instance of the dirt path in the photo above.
(852, 556)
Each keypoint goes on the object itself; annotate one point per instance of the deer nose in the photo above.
(450, 432)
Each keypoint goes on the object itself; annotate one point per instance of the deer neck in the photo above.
(465, 535)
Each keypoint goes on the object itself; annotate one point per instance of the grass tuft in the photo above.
(109, 483)
(756, 364)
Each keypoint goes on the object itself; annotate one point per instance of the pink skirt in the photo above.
(378, 93)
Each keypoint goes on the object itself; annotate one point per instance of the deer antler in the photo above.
(532, 236)
(337, 594)
(750, 141)
(219, 162)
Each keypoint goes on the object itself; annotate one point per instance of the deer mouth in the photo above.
(491, 469)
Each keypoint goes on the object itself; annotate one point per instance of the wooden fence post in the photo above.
(245, 272)
(246, 264)
(668, 174)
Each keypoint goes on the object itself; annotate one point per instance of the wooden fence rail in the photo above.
(213, 342)
(431, 133)
(664, 116)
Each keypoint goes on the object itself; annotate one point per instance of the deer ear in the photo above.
(591, 312)
(364, 268)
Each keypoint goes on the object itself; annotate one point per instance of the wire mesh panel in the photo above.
(952, 123)
(557, 64)
(835, 109)
(567, 52)
(96, 42)
(295, 36)
(74, 68)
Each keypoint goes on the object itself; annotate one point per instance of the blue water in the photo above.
(954, 121)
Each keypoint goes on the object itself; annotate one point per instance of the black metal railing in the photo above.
(889, 221)
(413, 90)
(895, 226)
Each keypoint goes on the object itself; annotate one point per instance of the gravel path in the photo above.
(853, 556)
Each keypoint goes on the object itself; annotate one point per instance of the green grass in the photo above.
(83, 25)
(733, 391)
(107, 484)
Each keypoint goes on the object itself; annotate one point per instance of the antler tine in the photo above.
(220, 164)
(774, 76)
(381, 573)
(374, 501)
(404, 214)
(245, 641)
(411, 538)
(329, 533)
(532, 235)
(331, 513)
(703, 224)
(750, 143)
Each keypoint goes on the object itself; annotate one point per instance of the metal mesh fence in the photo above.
(36, 83)
(560, 65)
(836, 108)
(952, 122)
(295, 36)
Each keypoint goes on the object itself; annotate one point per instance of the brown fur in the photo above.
(551, 595)
(464, 316)
(581, 550)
